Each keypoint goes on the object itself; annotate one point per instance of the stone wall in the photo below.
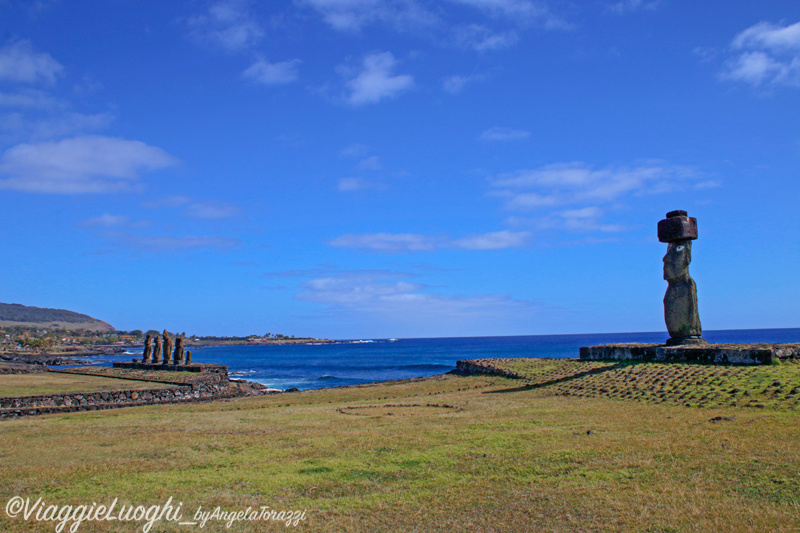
(735, 354)
(484, 366)
(21, 368)
(90, 401)
(210, 383)
(194, 367)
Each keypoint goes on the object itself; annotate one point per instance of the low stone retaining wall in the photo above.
(733, 354)
(158, 374)
(193, 367)
(210, 382)
(469, 367)
(21, 368)
(90, 401)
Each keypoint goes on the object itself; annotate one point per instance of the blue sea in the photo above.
(370, 360)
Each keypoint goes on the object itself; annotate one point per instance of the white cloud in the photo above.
(497, 240)
(19, 127)
(519, 11)
(89, 164)
(267, 73)
(20, 63)
(708, 184)
(106, 221)
(405, 304)
(229, 24)
(415, 242)
(389, 242)
(171, 243)
(627, 6)
(358, 184)
(498, 133)
(355, 150)
(356, 291)
(489, 25)
(370, 163)
(212, 210)
(351, 184)
(587, 219)
(765, 54)
(769, 36)
(376, 81)
(571, 183)
(172, 201)
(757, 68)
(67, 124)
(116, 231)
(456, 84)
(574, 196)
(482, 38)
(508, 8)
(353, 15)
(31, 99)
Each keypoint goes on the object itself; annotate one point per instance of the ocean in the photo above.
(369, 360)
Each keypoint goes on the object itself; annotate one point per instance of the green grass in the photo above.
(448, 453)
(13, 385)
(773, 386)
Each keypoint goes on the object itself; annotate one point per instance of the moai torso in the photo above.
(148, 349)
(157, 350)
(179, 354)
(167, 348)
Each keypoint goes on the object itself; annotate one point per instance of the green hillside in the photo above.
(22, 315)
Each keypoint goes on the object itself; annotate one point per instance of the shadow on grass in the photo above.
(577, 375)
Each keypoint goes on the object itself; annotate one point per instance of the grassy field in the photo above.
(448, 453)
(53, 383)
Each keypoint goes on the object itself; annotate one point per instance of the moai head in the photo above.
(676, 262)
(678, 230)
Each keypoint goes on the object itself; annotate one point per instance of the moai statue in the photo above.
(178, 356)
(148, 349)
(188, 357)
(167, 348)
(157, 350)
(680, 301)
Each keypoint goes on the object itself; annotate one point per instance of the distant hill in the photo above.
(39, 317)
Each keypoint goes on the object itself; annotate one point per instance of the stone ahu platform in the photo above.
(192, 367)
(717, 354)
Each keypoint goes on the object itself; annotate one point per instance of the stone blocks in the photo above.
(732, 354)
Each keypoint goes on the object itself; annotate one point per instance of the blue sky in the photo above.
(398, 168)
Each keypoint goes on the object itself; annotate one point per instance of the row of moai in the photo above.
(155, 346)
